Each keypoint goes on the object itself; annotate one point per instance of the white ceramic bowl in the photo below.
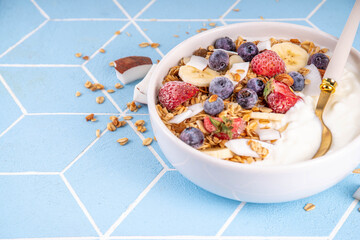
(246, 182)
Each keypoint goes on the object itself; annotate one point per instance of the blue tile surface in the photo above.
(40, 206)
(14, 15)
(124, 191)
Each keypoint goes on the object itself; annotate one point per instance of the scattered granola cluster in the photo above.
(223, 100)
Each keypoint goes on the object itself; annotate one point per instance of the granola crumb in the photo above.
(111, 64)
(139, 123)
(261, 17)
(78, 54)
(117, 32)
(236, 10)
(155, 139)
(309, 207)
(132, 106)
(153, 20)
(356, 170)
(110, 90)
(85, 58)
(144, 44)
(212, 24)
(102, 50)
(128, 34)
(78, 94)
(89, 117)
(258, 148)
(155, 45)
(147, 141)
(176, 36)
(118, 85)
(123, 141)
(145, 29)
(98, 133)
(111, 127)
(100, 99)
(127, 117)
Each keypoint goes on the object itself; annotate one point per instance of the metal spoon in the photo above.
(334, 71)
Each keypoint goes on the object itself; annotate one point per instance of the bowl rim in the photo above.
(229, 164)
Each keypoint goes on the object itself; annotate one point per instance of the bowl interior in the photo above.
(252, 30)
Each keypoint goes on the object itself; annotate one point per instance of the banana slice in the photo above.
(197, 77)
(294, 56)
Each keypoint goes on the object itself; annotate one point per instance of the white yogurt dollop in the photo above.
(301, 139)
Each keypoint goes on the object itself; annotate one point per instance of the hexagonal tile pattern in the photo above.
(40, 206)
(46, 143)
(182, 209)
(109, 177)
(353, 220)
(10, 111)
(329, 208)
(163, 9)
(44, 95)
(249, 9)
(131, 8)
(57, 42)
(14, 15)
(80, 9)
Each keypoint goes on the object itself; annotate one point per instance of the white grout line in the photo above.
(311, 24)
(54, 238)
(2, 80)
(87, 19)
(188, 237)
(12, 125)
(103, 91)
(81, 205)
(137, 26)
(69, 113)
(230, 219)
(42, 12)
(263, 20)
(223, 22)
(144, 9)
(84, 151)
(177, 20)
(343, 219)
(315, 9)
(107, 43)
(27, 173)
(24, 38)
(134, 204)
(230, 8)
(39, 65)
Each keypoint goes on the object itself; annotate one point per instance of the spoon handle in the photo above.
(343, 47)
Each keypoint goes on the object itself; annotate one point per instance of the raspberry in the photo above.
(268, 64)
(174, 93)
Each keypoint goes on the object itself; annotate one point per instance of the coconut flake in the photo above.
(192, 111)
(357, 194)
(268, 134)
(240, 66)
(312, 89)
(241, 147)
(264, 45)
(140, 89)
(198, 62)
(228, 52)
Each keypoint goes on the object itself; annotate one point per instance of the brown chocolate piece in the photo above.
(123, 64)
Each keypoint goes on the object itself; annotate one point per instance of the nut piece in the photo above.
(78, 94)
(285, 78)
(309, 207)
(139, 123)
(98, 133)
(123, 141)
(128, 117)
(118, 86)
(110, 91)
(100, 99)
(147, 141)
(213, 98)
(111, 127)
(78, 54)
(88, 84)
(89, 117)
(102, 50)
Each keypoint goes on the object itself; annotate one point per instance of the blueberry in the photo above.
(246, 98)
(212, 107)
(225, 43)
(299, 81)
(192, 136)
(247, 51)
(257, 85)
(221, 86)
(219, 60)
(320, 60)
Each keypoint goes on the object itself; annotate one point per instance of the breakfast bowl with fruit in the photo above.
(233, 110)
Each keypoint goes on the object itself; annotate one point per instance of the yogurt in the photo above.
(301, 139)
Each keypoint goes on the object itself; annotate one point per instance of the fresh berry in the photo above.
(320, 60)
(224, 128)
(219, 60)
(299, 81)
(279, 96)
(257, 85)
(267, 63)
(221, 86)
(174, 93)
(246, 98)
(225, 43)
(247, 51)
(214, 105)
(192, 136)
